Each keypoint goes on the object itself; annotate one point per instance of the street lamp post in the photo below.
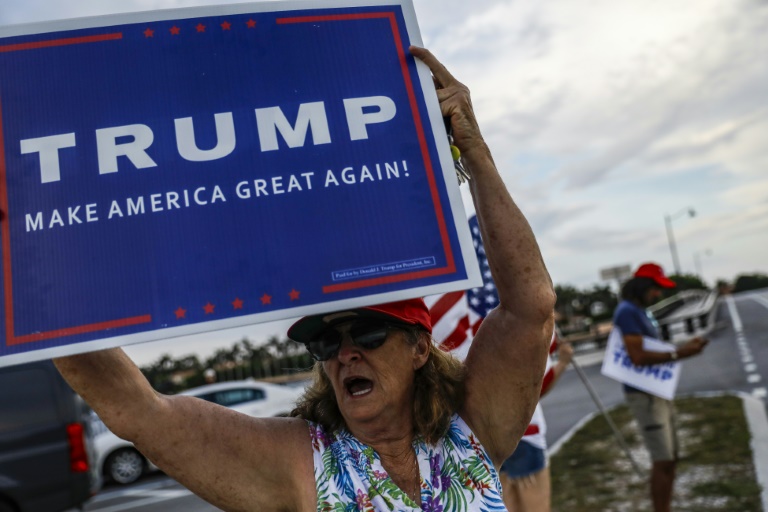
(697, 262)
(671, 237)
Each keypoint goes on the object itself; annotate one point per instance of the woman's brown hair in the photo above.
(439, 393)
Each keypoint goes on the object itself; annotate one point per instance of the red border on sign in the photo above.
(10, 336)
(450, 263)
(60, 42)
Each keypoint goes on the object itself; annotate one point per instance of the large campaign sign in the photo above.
(178, 171)
(657, 379)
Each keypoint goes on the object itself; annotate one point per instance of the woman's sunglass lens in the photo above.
(367, 335)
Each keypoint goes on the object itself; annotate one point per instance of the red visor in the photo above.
(412, 311)
(656, 273)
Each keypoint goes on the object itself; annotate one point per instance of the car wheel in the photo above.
(125, 466)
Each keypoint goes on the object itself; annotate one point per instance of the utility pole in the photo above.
(671, 237)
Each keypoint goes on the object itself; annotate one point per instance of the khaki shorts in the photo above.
(656, 420)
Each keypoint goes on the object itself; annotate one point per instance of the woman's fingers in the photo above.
(442, 76)
(454, 100)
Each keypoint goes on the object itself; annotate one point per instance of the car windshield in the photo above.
(231, 397)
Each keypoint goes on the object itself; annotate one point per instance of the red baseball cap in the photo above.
(655, 272)
(411, 311)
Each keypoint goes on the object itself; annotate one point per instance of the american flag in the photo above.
(456, 317)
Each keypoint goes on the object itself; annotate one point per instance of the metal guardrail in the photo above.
(690, 312)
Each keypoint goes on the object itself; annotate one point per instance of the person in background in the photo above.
(390, 422)
(655, 416)
(525, 475)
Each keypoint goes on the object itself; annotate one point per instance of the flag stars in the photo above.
(208, 308)
(266, 299)
(180, 313)
(226, 25)
(174, 30)
(251, 23)
(149, 32)
(294, 294)
(200, 27)
(237, 304)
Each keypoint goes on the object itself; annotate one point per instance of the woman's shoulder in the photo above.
(460, 436)
(461, 445)
(324, 438)
(458, 423)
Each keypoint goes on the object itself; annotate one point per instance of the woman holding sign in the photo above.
(391, 423)
(655, 416)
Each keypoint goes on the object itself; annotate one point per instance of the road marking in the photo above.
(134, 490)
(750, 368)
(155, 497)
(735, 318)
(760, 299)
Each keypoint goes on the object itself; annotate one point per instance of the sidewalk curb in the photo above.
(757, 423)
(552, 450)
(754, 410)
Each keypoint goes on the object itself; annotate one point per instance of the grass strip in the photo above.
(591, 473)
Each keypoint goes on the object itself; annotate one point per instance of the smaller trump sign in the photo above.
(658, 379)
(173, 172)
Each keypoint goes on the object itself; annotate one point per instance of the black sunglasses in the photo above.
(367, 334)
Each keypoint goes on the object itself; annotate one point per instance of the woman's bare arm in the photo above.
(507, 358)
(231, 460)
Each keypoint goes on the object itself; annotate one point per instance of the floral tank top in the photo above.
(457, 474)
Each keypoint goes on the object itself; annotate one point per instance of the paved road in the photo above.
(736, 359)
(156, 493)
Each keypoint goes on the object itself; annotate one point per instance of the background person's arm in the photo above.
(564, 357)
(641, 357)
(507, 357)
(231, 460)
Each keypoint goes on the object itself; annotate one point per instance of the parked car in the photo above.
(119, 460)
(46, 442)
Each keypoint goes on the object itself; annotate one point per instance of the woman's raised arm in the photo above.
(231, 460)
(507, 357)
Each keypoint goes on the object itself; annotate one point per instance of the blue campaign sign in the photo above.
(172, 172)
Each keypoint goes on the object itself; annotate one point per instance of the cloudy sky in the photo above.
(603, 116)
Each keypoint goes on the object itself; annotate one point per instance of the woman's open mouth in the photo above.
(358, 386)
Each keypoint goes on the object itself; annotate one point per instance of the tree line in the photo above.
(577, 309)
(244, 359)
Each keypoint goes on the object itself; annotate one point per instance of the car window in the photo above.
(236, 396)
(32, 402)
